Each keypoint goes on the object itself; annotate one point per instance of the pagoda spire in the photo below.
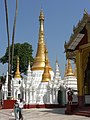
(69, 69)
(29, 69)
(39, 61)
(57, 71)
(46, 77)
(17, 73)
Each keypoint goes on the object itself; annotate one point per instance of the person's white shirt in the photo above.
(21, 105)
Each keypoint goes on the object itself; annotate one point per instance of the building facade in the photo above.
(78, 49)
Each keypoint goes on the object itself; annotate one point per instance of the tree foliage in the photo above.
(24, 51)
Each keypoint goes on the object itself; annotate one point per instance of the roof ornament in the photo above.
(85, 12)
(74, 28)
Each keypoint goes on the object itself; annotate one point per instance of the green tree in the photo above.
(24, 51)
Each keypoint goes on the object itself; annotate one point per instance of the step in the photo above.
(85, 111)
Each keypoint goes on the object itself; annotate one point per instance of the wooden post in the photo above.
(80, 80)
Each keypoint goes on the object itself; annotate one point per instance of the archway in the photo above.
(60, 97)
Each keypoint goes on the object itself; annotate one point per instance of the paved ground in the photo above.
(42, 114)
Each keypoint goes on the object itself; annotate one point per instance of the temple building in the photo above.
(78, 50)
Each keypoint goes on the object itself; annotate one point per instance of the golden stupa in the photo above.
(39, 61)
(46, 74)
(17, 73)
(69, 71)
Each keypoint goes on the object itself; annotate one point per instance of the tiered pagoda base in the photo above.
(9, 104)
(43, 106)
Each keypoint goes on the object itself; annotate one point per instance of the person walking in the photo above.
(20, 109)
(16, 111)
(70, 97)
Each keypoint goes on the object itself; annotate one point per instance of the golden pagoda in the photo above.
(39, 61)
(17, 73)
(46, 74)
(69, 69)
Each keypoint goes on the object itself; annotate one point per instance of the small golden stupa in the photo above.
(17, 73)
(46, 77)
(69, 71)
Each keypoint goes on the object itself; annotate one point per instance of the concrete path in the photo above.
(42, 114)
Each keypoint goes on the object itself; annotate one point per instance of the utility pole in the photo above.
(10, 54)
(13, 35)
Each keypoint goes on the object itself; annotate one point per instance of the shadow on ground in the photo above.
(55, 111)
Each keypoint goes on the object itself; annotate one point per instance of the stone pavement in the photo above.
(41, 114)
